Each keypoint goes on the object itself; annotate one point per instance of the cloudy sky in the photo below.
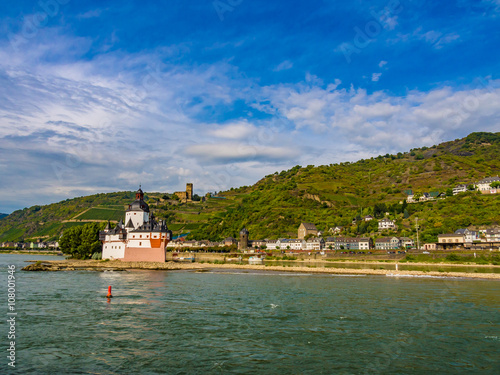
(101, 96)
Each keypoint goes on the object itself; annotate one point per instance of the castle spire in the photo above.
(139, 194)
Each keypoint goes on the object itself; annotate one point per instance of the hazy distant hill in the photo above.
(326, 195)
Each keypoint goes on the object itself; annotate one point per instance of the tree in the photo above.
(379, 210)
(449, 192)
(404, 205)
(82, 241)
(495, 184)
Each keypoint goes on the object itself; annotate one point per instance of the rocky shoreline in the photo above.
(96, 265)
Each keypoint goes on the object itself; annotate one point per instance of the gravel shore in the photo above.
(96, 265)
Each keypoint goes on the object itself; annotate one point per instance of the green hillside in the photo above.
(334, 194)
(327, 195)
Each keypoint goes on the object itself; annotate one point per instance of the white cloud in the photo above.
(285, 65)
(382, 63)
(238, 152)
(384, 123)
(435, 38)
(376, 77)
(238, 130)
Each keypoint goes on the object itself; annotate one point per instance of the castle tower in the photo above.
(243, 243)
(189, 191)
(139, 194)
(138, 212)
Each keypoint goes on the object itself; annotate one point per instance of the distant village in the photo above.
(309, 238)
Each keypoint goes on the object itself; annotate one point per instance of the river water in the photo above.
(249, 322)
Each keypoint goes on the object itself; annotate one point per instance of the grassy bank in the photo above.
(482, 259)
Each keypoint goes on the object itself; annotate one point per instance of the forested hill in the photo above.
(326, 195)
(334, 194)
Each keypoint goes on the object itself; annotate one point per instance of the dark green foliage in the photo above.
(453, 258)
(81, 242)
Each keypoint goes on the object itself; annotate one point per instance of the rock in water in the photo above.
(38, 267)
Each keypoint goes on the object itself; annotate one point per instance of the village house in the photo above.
(459, 189)
(336, 230)
(437, 194)
(305, 229)
(469, 235)
(429, 246)
(257, 244)
(296, 244)
(406, 242)
(450, 240)
(425, 197)
(346, 243)
(330, 243)
(365, 243)
(492, 235)
(230, 241)
(368, 218)
(315, 244)
(273, 244)
(485, 184)
(386, 224)
(387, 243)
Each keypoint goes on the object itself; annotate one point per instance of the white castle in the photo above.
(141, 239)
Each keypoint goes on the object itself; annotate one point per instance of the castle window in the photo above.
(140, 243)
(140, 236)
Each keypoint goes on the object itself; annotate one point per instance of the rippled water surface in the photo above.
(247, 323)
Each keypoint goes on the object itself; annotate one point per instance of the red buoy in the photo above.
(109, 292)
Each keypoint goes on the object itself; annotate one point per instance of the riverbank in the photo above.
(30, 252)
(96, 265)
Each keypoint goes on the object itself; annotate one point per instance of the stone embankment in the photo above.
(96, 265)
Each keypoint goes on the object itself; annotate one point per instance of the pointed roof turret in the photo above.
(108, 226)
(129, 224)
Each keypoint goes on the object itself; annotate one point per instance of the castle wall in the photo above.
(135, 254)
(113, 250)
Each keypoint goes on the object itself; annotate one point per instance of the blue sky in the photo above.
(102, 96)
